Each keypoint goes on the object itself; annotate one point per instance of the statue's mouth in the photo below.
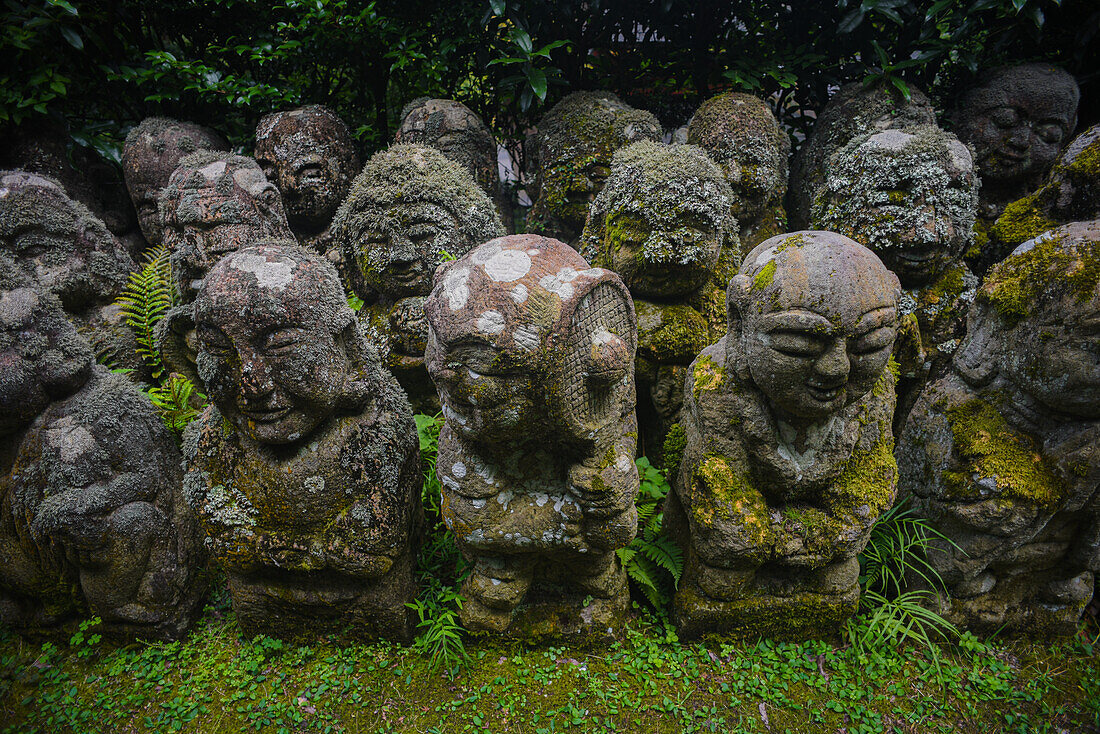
(824, 394)
(266, 415)
(405, 273)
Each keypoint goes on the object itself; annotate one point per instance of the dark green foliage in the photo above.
(145, 300)
(652, 561)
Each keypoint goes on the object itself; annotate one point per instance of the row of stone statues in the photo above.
(824, 346)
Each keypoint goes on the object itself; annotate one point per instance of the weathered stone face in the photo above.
(456, 131)
(576, 140)
(910, 195)
(152, 151)
(740, 133)
(212, 205)
(310, 155)
(1017, 120)
(305, 474)
(852, 111)
(532, 352)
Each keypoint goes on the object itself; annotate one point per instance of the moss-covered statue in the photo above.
(911, 196)
(456, 131)
(410, 208)
(305, 471)
(214, 204)
(1071, 194)
(575, 141)
(152, 151)
(789, 451)
(740, 133)
(310, 155)
(852, 111)
(663, 223)
(1016, 118)
(533, 354)
(92, 516)
(73, 255)
(1003, 453)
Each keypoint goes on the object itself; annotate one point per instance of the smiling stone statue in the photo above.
(533, 354)
(788, 461)
(305, 472)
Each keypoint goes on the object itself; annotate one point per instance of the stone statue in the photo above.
(92, 517)
(152, 151)
(533, 354)
(310, 155)
(852, 111)
(408, 210)
(911, 197)
(72, 255)
(1003, 453)
(789, 454)
(576, 139)
(456, 131)
(740, 133)
(305, 471)
(1071, 194)
(1016, 119)
(663, 223)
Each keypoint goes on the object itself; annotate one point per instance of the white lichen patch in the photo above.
(490, 322)
(270, 275)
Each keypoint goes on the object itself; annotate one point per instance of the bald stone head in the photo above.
(813, 317)
(456, 131)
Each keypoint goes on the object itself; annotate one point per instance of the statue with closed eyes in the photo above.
(789, 452)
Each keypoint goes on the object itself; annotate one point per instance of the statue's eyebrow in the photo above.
(875, 318)
(799, 320)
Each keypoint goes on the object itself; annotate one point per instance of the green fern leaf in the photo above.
(147, 297)
(663, 552)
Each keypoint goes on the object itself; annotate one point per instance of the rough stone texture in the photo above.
(72, 254)
(740, 132)
(788, 459)
(310, 155)
(575, 141)
(911, 196)
(853, 110)
(1003, 453)
(152, 151)
(1016, 119)
(663, 223)
(305, 472)
(408, 210)
(92, 518)
(533, 354)
(1071, 194)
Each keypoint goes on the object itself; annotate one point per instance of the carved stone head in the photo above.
(576, 139)
(527, 342)
(214, 204)
(67, 249)
(310, 155)
(1036, 322)
(42, 358)
(409, 206)
(456, 131)
(152, 151)
(911, 196)
(740, 133)
(812, 322)
(1017, 119)
(661, 220)
(279, 351)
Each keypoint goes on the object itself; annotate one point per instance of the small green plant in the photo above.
(147, 297)
(177, 401)
(652, 561)
(85, 645)
(427, 430)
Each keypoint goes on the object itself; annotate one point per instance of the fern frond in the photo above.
(663, 552)
(176, 401)
(147, 297)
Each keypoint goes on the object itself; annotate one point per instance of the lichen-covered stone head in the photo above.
(310, 155)
(740, 132)
(214, 204)
(523, 333)
(576, 140)
(1017, 119)
(456, 131)
(42, 358)
(67, 249)
(1036, 322)
(813, 317)
(911, 196)
(409, 207)
(279, 351)
(661, 220)
(152, 151)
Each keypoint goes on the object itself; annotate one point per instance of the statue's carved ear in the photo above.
(364, 365)
(737, 300)
(978, 356)
(271, 202)
(178, 343)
